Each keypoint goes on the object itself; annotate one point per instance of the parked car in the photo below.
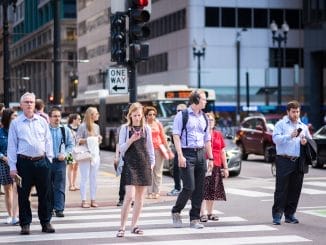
(254, 136)
(233, 157)
(320, 139)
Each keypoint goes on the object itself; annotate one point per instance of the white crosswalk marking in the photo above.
(247, 193)
(101, 225)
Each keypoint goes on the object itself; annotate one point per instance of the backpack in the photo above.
(185, 117)
(63, 133)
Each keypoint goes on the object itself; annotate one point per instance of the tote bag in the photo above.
(81, 153)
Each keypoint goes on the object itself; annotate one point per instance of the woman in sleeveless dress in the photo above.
(136, 148)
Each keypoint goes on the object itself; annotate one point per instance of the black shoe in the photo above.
(59, 214)
(47, 228)
(291, 219)
(120, 203)
(25, 230)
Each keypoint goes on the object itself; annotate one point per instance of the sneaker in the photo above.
(47, 228)
(174, 192)
(59, 214)
(176, 218)
(277, 219)
(291, 219)
(8, 220)
(120, 203)
(15, 221)
(196, 224)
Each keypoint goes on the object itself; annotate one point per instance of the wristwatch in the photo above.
(211, 159)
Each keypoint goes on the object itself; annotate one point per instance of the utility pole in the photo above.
(56, 53)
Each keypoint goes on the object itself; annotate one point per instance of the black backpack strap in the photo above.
(185, 117)
(63, 138)
(206, 119)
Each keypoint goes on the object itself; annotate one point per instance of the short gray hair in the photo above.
(26, 95)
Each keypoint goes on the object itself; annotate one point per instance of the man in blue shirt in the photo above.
(30, 156)
(289, 133)
(192, 145)
(62, 147)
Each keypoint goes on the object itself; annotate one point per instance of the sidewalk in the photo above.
(107, 190)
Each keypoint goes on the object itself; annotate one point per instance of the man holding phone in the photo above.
(289, 133)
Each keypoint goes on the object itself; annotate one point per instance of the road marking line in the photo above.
(247, 193)
(110, 224)
(316, 183)
(307, 191)
(319, 213)
(234, 240)
(150, 232)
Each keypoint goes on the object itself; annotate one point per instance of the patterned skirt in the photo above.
(214, 188)
(5, 178)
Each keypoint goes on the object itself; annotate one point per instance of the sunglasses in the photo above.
(151, 114)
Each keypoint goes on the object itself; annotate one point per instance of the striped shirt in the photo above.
(30, 137)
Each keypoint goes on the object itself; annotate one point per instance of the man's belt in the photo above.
(31, 158)
(292, 158)
(193, 149)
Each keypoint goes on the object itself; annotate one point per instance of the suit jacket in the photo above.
(308, 153)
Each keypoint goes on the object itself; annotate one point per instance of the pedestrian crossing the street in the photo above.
(99, 226)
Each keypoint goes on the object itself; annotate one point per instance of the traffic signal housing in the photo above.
(74, 86)
(138, 30)
(118, 37)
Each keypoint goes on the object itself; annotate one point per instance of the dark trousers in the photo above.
(58, 175)
(193, 177)
(176, 173)
(36, 173)
(287, 187)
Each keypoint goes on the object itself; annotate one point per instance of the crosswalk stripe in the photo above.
(316, 183)
(234, 241)
(149, 232)
(247, 193)
(111, 224)
(304, 190)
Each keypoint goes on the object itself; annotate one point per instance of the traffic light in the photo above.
(51, 99)
(118, 38)
(138, 31)
(73, 86)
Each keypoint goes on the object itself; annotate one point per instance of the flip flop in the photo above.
(137, 230)
(212, 217)
(121, 233)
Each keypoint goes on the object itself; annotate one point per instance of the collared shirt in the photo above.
(285, 144)
(196, 135)
(57, 139)
(30, 137)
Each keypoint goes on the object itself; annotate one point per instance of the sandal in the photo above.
(121, 233)
(94, 204)
(213, 217)
(85, 205)
(71, 188)
(203, 218)
(137, 230)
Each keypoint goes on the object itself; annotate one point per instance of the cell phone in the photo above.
(299, 130)
(18, 180)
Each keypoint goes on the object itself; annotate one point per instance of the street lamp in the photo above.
(6, 54)
(238, 40)
(199, 52)
(279, 37)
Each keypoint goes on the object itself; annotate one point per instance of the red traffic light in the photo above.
(140, 3)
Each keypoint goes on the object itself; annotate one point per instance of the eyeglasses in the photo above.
(29, 102)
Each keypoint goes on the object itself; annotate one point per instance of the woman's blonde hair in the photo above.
(88, 119)
(134, 107)
(211, 115)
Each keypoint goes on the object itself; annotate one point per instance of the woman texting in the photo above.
(214, 188)
(89, 134)
(136, 148)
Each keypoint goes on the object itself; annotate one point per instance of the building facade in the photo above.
(32, 48)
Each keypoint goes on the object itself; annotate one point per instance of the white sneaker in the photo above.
(9, 220)
(15, 221)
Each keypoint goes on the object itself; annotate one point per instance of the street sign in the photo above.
(118, 80)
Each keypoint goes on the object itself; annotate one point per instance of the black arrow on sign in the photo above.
(116, 88)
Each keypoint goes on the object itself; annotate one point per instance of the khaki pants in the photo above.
(157, 173)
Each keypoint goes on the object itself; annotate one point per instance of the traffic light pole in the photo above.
(56, 53)
(132, 82)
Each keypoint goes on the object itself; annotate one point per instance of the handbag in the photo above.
(81, 153)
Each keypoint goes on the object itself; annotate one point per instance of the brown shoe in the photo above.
(25, 230)
(94, 204)
(47, 228)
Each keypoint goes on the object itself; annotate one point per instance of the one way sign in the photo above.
(118, 80)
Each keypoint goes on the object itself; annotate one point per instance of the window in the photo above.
(277, 16)
(228, 17)
(212, 17)
(244, 18)
(289, 56)
(69, 10)
(292, 17)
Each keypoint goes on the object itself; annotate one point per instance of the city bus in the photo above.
(113, 107)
